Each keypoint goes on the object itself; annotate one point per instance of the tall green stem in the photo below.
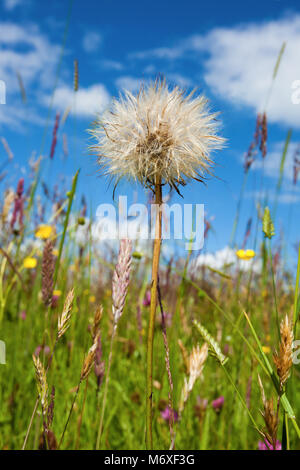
(155, 266)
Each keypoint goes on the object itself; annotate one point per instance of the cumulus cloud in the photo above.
(91, 41)
(11, 4)
(129, 83)
(29, 53)
(273, 160)
(89, 101)
(26, 50)
(239, 61)
(222, 258)
(288, 195)
(111, 64)
(17, 116)
(242, 61)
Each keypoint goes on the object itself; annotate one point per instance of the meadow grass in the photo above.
(215, 383)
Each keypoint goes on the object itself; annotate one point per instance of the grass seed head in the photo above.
(120, 279)
(64, 319)
(197, 360)
(48, 266)
(284, 358)
(89, 360)
(97, 320)
(41, 383)
(7, 204)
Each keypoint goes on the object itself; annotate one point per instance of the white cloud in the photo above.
(129, 83)
(18, 116)
(11, 4)
(111, 65)
(26, 51)
(239, 62)
(288, 198)
(242, 61)
(91, 41)
(289, 195)
(88, 102)
(179, 79)
(272, 161)
(35, 62)
(170, 53)
(221, 258)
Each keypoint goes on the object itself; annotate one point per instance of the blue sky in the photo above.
(226, 49)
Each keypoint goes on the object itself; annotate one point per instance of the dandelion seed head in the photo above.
(160, 132)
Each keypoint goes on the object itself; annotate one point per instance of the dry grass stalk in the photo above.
(99, 363)
(8, 201)
(41, 384)
(264, 135)
(120, 279)
(50, 411)
(85, 371)
(97, 320)
(7, 148)
(63, 325)
(75, 75)
(185, 357)
(284, 359)
(167, 361)
(270, 415)
(64, 319)
(120, 284)
(89, 360)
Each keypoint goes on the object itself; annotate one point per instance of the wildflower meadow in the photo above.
(135, 314)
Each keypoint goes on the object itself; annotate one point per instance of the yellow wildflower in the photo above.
(57, 293)
(266, 349)
(29, 263)
(92, 299)
(55, 252)
(44, 232)
(245, 254)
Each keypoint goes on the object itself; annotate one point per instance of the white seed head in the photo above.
(159, 133)
(197, 360)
